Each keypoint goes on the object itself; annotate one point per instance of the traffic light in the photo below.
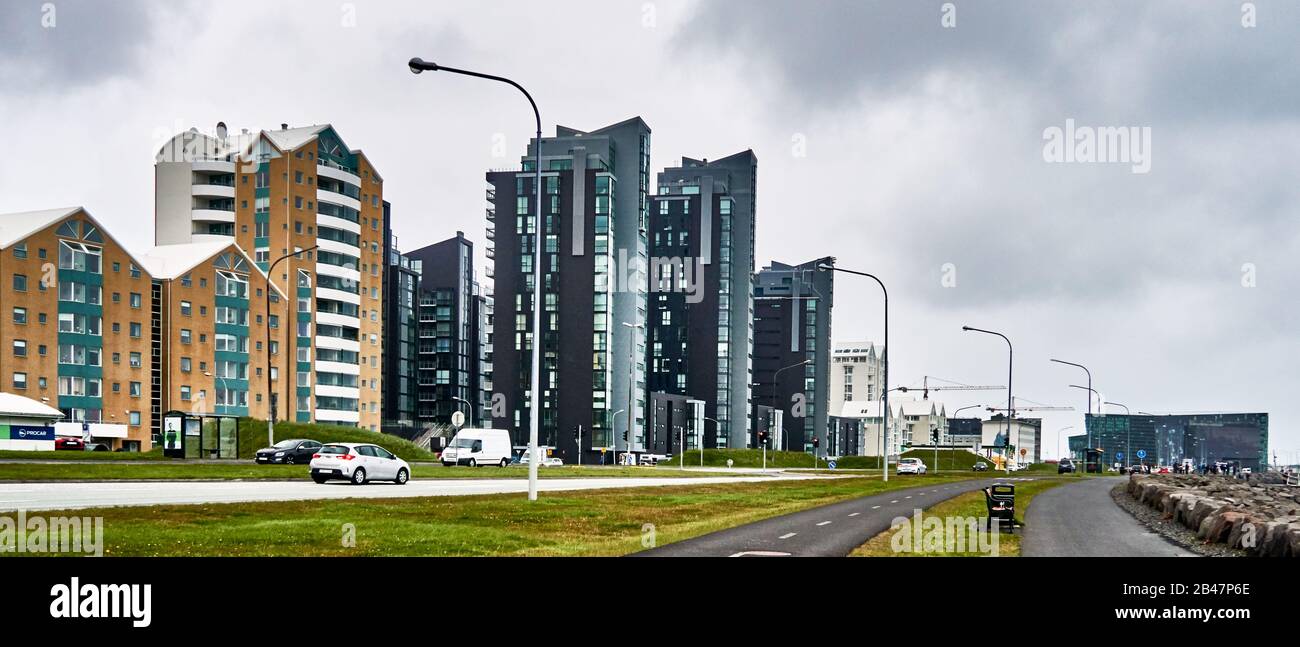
(624, 435)
(577, 433)
(934, 436)
(817, 442)
(762, 438)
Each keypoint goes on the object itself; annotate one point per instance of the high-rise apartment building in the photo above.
(700, 324)
(594, 204)
(277, 192)
(401, 299)
(792, 332)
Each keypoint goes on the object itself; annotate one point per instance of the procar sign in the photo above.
(30, 432)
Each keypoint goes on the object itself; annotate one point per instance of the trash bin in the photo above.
(1000, 499)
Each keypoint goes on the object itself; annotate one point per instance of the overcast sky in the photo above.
(904, 138)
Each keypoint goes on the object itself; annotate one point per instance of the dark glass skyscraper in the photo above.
(792, 324)
(594, 201)
(700, 324)
(448, 333)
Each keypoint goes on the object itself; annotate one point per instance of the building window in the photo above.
(186, 364)
(20, 283)
(20, 348)
(20, 250)
(20, 381)
(20, 316)
(186, 309)
(135, 419)
(135, 360)
(134, 389)
(185, 393)
(186, 336)
(135, 300)
(136, 330)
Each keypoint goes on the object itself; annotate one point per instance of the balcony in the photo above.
(492, 215)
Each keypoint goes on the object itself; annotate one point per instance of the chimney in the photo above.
(284, 126)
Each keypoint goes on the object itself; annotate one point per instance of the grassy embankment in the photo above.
(579, 523)
(969, 505)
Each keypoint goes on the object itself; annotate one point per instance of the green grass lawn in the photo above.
(252, 437)
(72, 471)
(582, 523)
(970, 504)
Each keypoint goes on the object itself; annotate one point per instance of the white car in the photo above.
(547, 461)
(358, 463)
(911, 466)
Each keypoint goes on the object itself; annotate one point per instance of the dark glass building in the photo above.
(401, 285)
(594, 198)
(1240, 438)
(448, 364)
(700, 336)
(792, 325)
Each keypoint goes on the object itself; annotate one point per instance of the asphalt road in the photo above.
(67, 496)
(1081, 520)
(829, 531)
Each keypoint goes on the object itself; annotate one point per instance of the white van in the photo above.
(475, 447)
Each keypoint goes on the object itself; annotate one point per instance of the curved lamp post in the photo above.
(419, 65)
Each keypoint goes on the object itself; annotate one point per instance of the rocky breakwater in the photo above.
(1260, 515)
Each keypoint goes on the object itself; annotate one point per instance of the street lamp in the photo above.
(469, 411)
(700, 441)
(1011, 353)
(1059, 453)
(884, 426)
(631, 385)
(419, 65)
(270, 388)
(884, 357)
(776, 405)
(1087, 429)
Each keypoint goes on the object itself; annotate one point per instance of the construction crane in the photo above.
(952, 386)
(1034, 406)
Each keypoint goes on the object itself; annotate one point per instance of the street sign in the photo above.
(1141, 453)
(1119, 456)
(458, 419)
(830, 464)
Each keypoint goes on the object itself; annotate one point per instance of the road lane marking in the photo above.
(855, 514)
(875, 507)
(894, 501)
(787, 535)
(824, 523)
(760, 553)
(908, 496)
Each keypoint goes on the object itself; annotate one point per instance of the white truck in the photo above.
(477, 447)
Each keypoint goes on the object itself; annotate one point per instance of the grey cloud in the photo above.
(1109, 58)
(61, 44)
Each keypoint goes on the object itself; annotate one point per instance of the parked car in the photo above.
(69, 443)
(359, 463)
(547, 461)
(292, 452)
(911, 466)
(96, 447)
(1066, 466)
(980, 466)
(475, 447)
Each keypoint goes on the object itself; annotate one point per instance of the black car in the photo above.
(1066, 466)
(980, 466)
(295, 451)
